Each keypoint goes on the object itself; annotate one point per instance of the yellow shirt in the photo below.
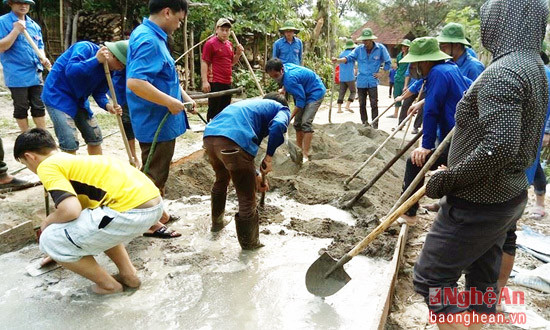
(96, 181)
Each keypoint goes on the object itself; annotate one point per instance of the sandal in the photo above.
(163, 232)
(14, 183)
(537, 212)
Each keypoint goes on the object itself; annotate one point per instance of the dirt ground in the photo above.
(338, 149)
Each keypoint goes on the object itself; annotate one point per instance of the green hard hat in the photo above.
(367, 35)
(424, 49)
(453, 33)
(119, 49)
(349, 44)
(406, 42)
(30, 2)
(289, 26)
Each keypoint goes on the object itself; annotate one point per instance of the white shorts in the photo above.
(95, 231)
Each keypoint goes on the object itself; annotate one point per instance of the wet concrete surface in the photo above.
(200, 281)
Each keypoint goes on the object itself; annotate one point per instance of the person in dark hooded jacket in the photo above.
(498, 126)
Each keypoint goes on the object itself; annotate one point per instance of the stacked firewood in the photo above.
(99, 27)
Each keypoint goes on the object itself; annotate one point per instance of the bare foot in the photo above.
(130, 280)
(115, 288)
(410, 220)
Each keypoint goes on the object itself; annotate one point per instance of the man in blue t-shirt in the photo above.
(308, 92)
(22, 66)
(153, 87)
(231, 141)
(347, 78)
(289, 48)
(369, 56)
(444, 85)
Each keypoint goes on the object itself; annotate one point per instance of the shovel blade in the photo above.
(318, 284)
(295, 153)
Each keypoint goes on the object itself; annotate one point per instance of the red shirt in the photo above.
(219, 55)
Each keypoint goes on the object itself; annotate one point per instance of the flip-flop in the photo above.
(163, 232)
(14, 183)
(537, 212)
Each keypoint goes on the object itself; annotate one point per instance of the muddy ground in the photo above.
(338, 149)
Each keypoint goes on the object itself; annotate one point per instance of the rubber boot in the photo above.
(248, 232)
(218, 212)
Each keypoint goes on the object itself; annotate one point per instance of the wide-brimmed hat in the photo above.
(424, 49)
(349, 44)
(223, 21)
(367, 34)
(119, 49)
(406, 42)
(453, 33)
(289, 26)
(30, 2)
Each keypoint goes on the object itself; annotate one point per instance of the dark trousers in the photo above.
(540, 181)
(373, 98)
(127, 123)
(230, 162)
(160, 162)
(25, 97)
(217, 104)
(3, 166)
(411, 171)
(465, 239)
(391, 89)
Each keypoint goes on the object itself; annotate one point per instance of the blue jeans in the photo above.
(66, 128)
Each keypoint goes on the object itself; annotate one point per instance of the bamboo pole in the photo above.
(61, 35)
(192, 63)
(186, 58)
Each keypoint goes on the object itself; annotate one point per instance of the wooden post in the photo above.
(265, 60)
(61, 35)
(186, 58)
(192, 64)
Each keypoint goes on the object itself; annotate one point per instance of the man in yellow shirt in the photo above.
(101, 203)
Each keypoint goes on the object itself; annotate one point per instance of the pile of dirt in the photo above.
(337, 151)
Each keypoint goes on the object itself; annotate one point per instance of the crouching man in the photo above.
(231, 141)
(101, 203)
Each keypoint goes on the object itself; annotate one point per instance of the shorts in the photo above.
(95, 231)
(304, 119)
(65, 128)
(23, 97)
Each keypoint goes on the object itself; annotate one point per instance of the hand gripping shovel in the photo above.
(326, 276)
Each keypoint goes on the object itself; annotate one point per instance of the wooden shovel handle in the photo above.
(387, 222)
(34, 47)
(118, 118)
(249, 67)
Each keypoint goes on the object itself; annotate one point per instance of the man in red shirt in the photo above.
(217, 61)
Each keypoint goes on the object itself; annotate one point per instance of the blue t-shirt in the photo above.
(369, 63)
(149, 59)
(22, 67)
(76, 75)
(392, 75)
(470, 66)
(303, 84)
(247, 122)
(445, 86)
(530, 172)
(347, 69)
(288, 52)
(472, 52)
(119, 83)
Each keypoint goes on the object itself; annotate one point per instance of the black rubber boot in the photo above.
(248, 232)
(218, 212)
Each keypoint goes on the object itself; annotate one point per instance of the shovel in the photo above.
(326, 276)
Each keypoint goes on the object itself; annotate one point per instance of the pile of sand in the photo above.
(337, 151)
